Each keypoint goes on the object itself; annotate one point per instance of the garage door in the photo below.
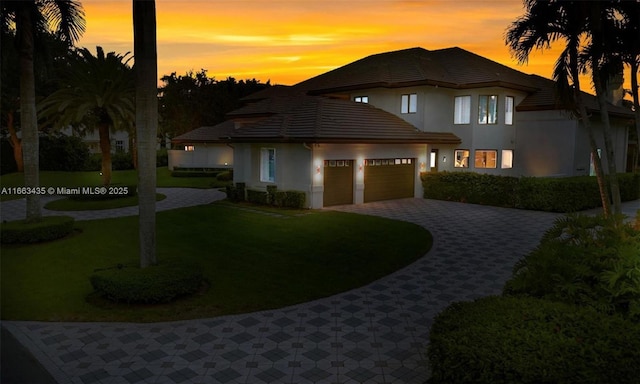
(338, 182)
(386, 179)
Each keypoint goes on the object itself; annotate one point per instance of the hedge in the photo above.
(497, 340)
(272, 196)
(155, 284)
(49, 228)
(570, 194)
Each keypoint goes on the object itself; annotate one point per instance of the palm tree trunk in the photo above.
(105, 148)
(584, 117)
(608, 145)
(146, 68)
(28, 116)
(15, 142)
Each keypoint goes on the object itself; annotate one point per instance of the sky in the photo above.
(287, 41)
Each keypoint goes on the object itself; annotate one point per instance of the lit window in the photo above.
(462, 113)
(189, 148)
(507, 158)
(462, 158)
(409, 103)
(508, 110)
(268, 164)
(488, 109)
(361, 99)
(486, 159)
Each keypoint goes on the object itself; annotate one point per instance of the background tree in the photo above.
(146, 77)
(194, 100)
(96, 92)
(65, 18)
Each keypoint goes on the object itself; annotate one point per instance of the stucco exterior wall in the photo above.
(203, 156)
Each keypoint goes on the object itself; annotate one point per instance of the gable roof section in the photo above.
(450, 67)
(316, 119)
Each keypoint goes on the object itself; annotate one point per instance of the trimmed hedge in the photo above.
(497, 340)
(155, 284)
(273, 197)
(49, 228)
(535, 193)
(257, 197)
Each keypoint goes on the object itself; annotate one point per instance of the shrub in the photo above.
(7, 161)
(497, 340)
(257, 197)
(584, 260)
(289, 199)
(50, 228)
(162, 157)
(121, 161)
(60, 152)
(193, 173)
(536, 193)
(155, 284)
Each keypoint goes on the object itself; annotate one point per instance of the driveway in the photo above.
(374, 334)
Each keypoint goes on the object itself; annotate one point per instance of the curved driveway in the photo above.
(374, 334)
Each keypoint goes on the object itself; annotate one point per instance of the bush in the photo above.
(121, 161)
(535, 193)
(225, 175)
(497, 340)
(60, 152)
(50, 228)
(257, 197)
(587, 261)
(162, 158)
(193, 173)
(289, 199)
(7, 161)
(156, 284)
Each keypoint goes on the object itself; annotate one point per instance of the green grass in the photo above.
(252, 261)
(70, 204)
(90, 179)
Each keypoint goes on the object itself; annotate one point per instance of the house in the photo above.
(365, 131)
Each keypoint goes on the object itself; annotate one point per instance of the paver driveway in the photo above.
(374, 334)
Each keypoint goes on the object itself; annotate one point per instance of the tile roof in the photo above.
(450, 67)
(315, 119)
(206, 134)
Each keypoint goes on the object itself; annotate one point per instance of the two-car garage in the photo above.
(384, 179)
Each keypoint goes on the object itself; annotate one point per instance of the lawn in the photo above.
(71, 204)
(90, 179)
(252, 261)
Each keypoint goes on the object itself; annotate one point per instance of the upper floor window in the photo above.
(119, 145)
(508, 110)
(488, 109)
(462, 110)
(268, 164)
(361, 99)
(189, 148)
(409, 103)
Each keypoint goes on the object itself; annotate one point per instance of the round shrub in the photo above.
(526, 340)
(23, 232)
(155, 284)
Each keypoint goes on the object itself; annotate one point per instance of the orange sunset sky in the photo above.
(287, 41)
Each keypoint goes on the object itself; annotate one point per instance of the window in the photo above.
(189, 148)
(488, 109)
(268, 164)
(486, 159)
(462, 158)
(508, 110)
(462, 113)
(409, 103)
(592, 166)
(119, 146)
(507, 159)
(361, 99)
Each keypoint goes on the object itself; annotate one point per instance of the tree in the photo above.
(66, 18)
(146, 77)
(194, 100)
(96, 92)
(546, 22)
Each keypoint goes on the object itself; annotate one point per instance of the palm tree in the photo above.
(66, 18)
(98, 92)
(146, 78)
(546, 22)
